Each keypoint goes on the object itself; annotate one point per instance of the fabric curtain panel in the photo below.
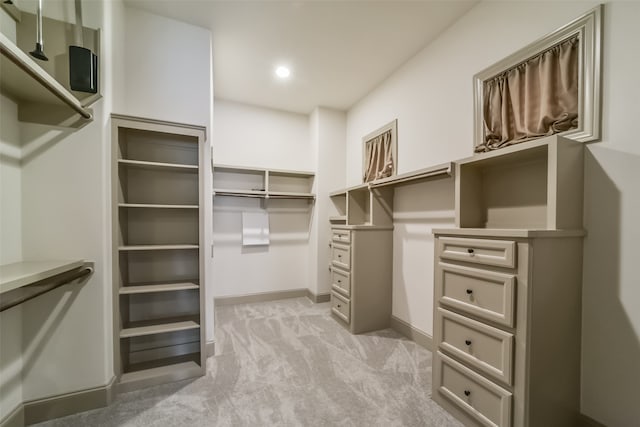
(378, 157)
(536, 98)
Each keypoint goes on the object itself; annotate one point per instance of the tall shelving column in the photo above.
(158, 274)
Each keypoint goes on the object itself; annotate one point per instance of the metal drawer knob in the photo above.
(338, 306)
(470, 250)
(467, 342)
(469, 291)
(339, 281)
(467, 392)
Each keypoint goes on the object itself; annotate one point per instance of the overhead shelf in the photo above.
(257, 183)
(22, 281)
(28, 84)
(438, 171)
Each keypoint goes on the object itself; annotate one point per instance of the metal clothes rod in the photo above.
(26, 293)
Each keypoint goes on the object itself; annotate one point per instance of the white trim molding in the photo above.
(588, 28)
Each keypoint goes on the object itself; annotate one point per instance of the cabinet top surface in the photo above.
(508, 232)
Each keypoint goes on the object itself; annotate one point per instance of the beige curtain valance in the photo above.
(378, 157)
(536, 98)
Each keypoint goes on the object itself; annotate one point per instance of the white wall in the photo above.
(432, 98)
(327, 133)
(10, 251)
(245, 135)
(168, 69)
(250, 136)
(167, 75)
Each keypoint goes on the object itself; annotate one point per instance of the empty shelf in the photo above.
(20, 274)
(440, 171)
(155, 247)
(157, 328)
(156, 206)
(165, 287)
(157, 165)
(290, 195)
(239, 193)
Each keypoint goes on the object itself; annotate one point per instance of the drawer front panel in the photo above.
(341, 307)
(483, 400)
(501, 253)
(340, 282)
(341, 255)
(486, 348)
(486, 294)
(338, 235)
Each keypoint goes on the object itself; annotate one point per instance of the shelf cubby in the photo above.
(532, 185)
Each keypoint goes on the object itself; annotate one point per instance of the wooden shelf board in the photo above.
(290, 195)
(23, 80)
(442, 170)
(156, 206)
(155, 247)
(163, 287)
(154, 328)
(157, 165)
(338, 218)
(239, 193)
(19, 274)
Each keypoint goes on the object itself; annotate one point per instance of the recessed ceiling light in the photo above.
(283, 72)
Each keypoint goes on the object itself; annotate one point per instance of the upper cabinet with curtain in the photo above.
(550, 87)
(49, 66)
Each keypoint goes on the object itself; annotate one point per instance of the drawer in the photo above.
(484, 347)
(481, 399)
(501, 253)
(340, 282)
(338, 235)
(487, 294)
(341, 255)
(341, 307)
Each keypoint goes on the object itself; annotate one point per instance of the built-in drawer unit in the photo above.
(338, 235)
(487, 294)
(340, 282)
(341, 255)
(341, 307)
(488, 349)
(484, 401)
(500, 253)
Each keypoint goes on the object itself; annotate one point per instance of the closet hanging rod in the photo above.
(229, 194)
(26, 293)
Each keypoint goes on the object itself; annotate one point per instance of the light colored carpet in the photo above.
(288, 363)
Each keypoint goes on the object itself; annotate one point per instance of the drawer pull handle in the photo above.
(469, 291)
(338, 306)
(339, 281)
(467, 392)
(467, 342)
(470, 250)
(339, 256)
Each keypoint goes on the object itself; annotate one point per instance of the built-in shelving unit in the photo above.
(158, 261)
(507, 288)
(239, 181)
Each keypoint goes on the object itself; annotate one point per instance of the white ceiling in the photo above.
(338, 51)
